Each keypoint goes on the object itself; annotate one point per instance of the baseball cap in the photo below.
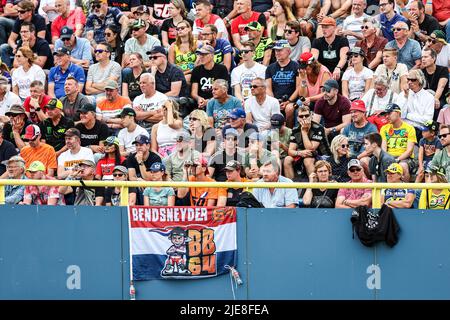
(306, 58)
(73, 132)
(112, 140)
(157, 166)
(87, 163)
(121, 169)
(237, 113)
(142, 8)
(61, 51)
(203, 161)
(354, 163)
(254, 136)
(87, 107)
(392, 107)
(66, 33)
(277, 120)
(356, 50)
(54, 104)
(206, 49)
(157, 49)
(440, 36)
(231, 131)
(281, 44)
(111, 84)
(31, 132)
(127, 112)
(139, 23)
(183, 136)
(15, 109)
(14, 159)
(141, 139)
(328, 21)
(36, 166)
(430, 125)
(232, 165)
(254, 26)
(358, 105)
(331, 84)
(395, 168)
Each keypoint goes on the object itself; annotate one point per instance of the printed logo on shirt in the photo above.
(284, 77)
(331, 54)
(206, 84)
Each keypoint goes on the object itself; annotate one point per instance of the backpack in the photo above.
(248, 200)
(373, 226)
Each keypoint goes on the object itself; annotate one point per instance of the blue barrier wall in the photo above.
(82, 253)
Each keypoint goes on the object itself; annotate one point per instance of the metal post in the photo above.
(2, 194)
(124, 196)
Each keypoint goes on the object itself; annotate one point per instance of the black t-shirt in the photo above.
(200, 144)
(99, 132)
(113, 197)
(132, 162)
(7, 150)
(42, 49)
(37, 20)
(323, 199)
(124, 5)
(160, 8)
(428, 25)
(134, 89)
(432, 80)
(85, 196)
(55, 135)
(169, 27)
(316, 133)
(72, 110)
(117, 52)
(219, 162)
(283, 78)
(205, 78)
(8, 133)
(329, 54)
(171, 74)
(261, 6)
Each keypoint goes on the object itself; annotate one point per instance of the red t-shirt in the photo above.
(106, 166)
(76, 16)
(238, 24)
(441, 9)
(33, 116)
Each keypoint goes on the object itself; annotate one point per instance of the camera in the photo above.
(299, 102)
(186, 105)
(188, 163)
(284, 98)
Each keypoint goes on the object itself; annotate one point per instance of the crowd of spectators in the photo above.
(335, 91)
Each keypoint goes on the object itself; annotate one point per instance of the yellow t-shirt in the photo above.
(435, 201)
(397, 139)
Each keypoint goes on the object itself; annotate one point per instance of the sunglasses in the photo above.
(288, 31)
(253, 86)
(444, 135)
(22, 11)
(18, 56)
(412, 80)
(118, 174)
(180, 28)
(364, 27)
(355, 55)
(246, 51)
(107, 34)
(303, 116)
(231, 139)
(354, 170)
(398, 29)
(136, 29)
(96, 6)
(30, 140)
(100, 51)
(432, 40)
(344, 146)
(193, 119)
(109, 144)
(153, 57)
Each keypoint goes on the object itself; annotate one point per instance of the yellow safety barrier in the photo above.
(124, 185)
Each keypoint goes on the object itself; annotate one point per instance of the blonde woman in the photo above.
(340, 157)
(177, 12)
(320, 198)
(203, 135)
(282, 14)
(182, 51)
(26, 73)
(164, 133)
(130, 80)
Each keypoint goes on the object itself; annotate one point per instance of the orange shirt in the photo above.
(112, 109)
(200, 196)
(44, 153)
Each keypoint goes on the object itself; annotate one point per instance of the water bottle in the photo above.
(132, 291)
(236, 276)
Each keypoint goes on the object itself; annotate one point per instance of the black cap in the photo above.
(356, 50)
(391, 108)
(142, 139)
(277, 120)
(431, 125)
(87, 107)
(62, 50)
(157, 49)
(66, 33)
(73, 132)
(127, 112)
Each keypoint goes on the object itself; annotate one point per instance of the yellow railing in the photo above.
(124, 185)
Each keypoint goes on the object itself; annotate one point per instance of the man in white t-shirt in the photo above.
(242, 76)
(7, 99)
(130, 131)
(351, 27)
(148, 105)
(75, 154)
(260, 107)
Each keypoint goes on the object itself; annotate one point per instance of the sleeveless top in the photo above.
(165, 135)
(184, 60)
(314, 89)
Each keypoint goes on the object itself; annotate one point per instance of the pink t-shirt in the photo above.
(354, 194)
(444, 116)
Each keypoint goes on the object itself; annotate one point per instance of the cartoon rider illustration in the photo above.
(176, 261)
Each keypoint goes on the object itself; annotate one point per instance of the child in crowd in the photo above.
(428, 146)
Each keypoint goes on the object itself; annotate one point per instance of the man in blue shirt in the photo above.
(80, 48)
(388, 17)
(275, 197)
(409, 51)
(223, 52)
(64, 68)
(220, 107)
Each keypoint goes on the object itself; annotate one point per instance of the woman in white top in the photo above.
(164, 133)
(26, 73)
(356, 81)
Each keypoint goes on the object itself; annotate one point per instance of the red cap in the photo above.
(306, 57)
(328, 21)
(31, 132)
(203, 162)
(358, 105)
